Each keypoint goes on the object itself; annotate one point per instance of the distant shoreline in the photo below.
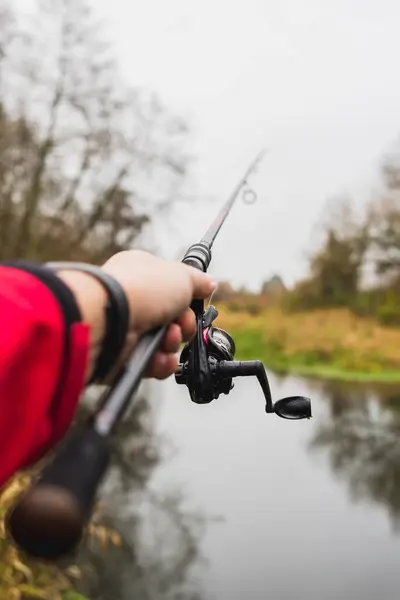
(327, 372)
(325, 344)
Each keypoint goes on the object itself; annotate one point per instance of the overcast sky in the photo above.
(315, 82)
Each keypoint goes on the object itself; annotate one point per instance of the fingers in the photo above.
(187, 324)
(165, 362)
(203, 284)
(181, 331)
(172, 339)
(162, 366)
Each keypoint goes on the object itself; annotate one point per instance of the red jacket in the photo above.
(38, 395)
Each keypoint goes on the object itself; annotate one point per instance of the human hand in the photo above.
(159, 292)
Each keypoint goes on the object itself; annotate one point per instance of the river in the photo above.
(285, 510)
(310, 508)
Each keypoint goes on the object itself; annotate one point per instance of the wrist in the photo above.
(91, 298)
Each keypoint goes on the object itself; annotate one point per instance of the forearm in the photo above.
(55, 327)
(91, 298)
(41, 377)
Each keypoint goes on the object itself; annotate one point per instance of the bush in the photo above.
(383, 304)
(368, 303)
(389, 312)
(251, 304)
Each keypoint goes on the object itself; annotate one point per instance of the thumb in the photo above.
(203, 284)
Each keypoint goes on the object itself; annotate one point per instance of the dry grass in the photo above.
(325, 338)
(23, 579)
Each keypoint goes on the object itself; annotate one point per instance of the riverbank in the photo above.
(329, 344)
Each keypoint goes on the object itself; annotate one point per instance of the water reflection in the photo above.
(362, 436)
(287, 513)
(290, 530)
(159, 540)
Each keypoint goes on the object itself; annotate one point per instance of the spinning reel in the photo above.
(207, 367)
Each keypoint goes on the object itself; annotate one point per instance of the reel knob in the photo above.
(293, 407)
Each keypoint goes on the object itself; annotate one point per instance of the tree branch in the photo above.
(33, 194)
(76, 182)
(99, 207)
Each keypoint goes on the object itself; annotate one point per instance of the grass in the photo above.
(329, 344)
(24, 579)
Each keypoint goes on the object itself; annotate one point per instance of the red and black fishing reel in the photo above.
(207, 367)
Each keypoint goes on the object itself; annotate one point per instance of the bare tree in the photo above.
(384, 217)
(83, 158)
(385, 237)
(84, 163)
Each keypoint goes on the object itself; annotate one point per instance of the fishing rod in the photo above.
(50, 519)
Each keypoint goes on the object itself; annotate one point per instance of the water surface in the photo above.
(309, 508)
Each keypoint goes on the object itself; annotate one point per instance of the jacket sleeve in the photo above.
(40, 381)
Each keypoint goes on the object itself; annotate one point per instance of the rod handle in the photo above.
(49, 520)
